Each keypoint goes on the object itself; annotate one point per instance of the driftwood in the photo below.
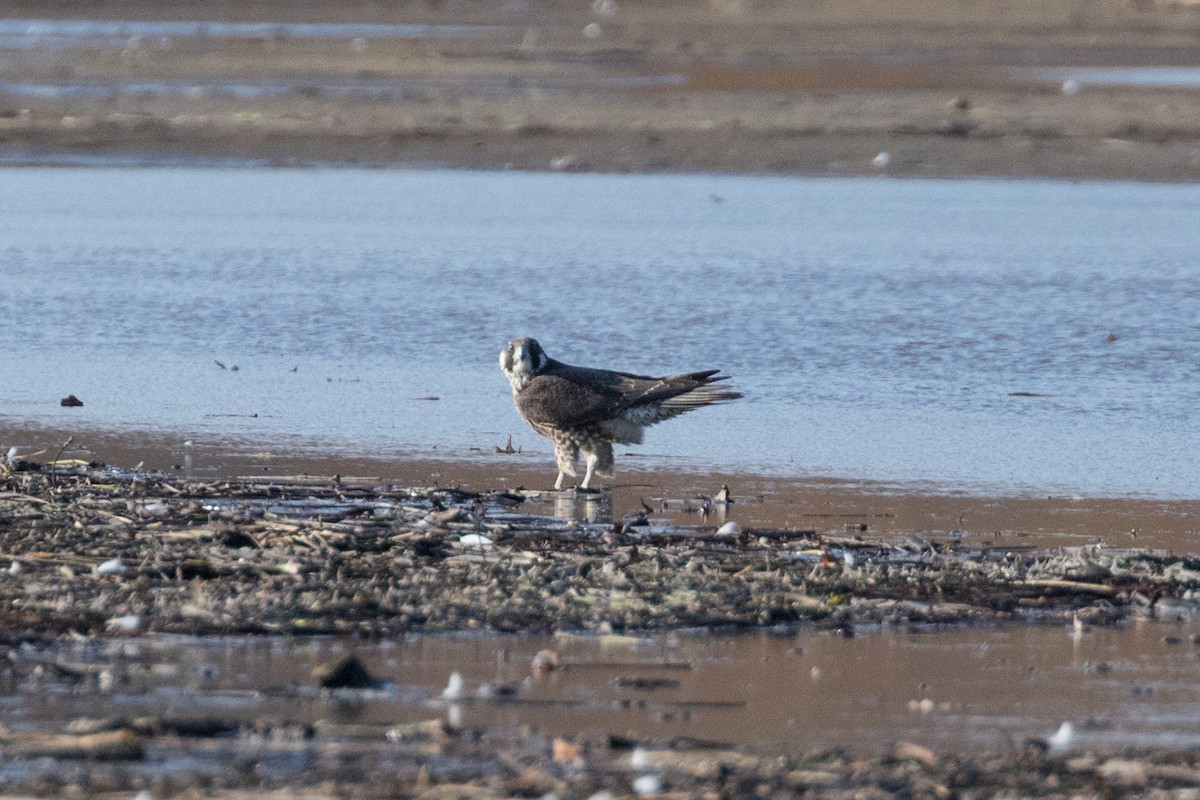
(167, 554)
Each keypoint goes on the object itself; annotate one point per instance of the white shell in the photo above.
(647, 785)
(1063, 738)
(114, 566)
(125, 624)
(454, 687)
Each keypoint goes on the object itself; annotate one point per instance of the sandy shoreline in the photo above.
(986, 519)
(726, 87)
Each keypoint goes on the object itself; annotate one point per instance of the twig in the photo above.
(57, 456)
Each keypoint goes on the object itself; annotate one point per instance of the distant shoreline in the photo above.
(816, 157)
(912, 89)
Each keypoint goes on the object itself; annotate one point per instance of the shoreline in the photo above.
(983, 517)
(94, 138)
(670, 88)
(349, 556)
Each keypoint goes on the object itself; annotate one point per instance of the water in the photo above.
(1173, 77)
(21, 34)
(957, 691)
(881, 329)
(359, 89)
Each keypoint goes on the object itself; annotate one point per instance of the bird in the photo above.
(586, 410)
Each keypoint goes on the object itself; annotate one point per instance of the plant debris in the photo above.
(97, 552)
(92, 548)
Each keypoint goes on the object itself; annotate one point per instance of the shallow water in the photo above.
(1174, 77)
(1024, 336)
(956, 691)
(34, 33)
(357, 89)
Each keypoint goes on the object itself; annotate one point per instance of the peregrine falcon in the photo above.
(585, 410)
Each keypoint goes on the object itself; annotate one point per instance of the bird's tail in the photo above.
(697, 390)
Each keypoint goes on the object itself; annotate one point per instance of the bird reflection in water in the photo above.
(597, 507)
(584, 506)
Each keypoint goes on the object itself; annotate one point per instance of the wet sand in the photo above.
(981, 519)
(727, 86)
(698, 711)
(376, 557)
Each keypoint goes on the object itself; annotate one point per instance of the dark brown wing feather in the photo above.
(564, 403)
(566, 397)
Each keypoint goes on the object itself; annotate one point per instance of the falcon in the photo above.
(585, 410)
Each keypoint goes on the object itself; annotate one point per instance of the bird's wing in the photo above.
(670, 396)
(567, 397)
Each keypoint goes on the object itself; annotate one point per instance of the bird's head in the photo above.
(522, 360)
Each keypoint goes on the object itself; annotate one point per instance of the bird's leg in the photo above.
(599, 459)
(590, 459)
(566, 453)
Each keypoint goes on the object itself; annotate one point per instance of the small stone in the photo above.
(128, 623)
(645, 785)
(1063, 738)
(564, 752)
(454, 687)
(545, 661)
(909, 751)
(114, 566)
(349, 673)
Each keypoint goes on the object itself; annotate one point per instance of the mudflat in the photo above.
(125, 562)
(914, 87)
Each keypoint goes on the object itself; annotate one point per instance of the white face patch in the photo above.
(521, 361)
(515, 361)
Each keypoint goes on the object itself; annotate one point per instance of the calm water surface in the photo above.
(889, 330)
(33, 33)
(955, 691)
